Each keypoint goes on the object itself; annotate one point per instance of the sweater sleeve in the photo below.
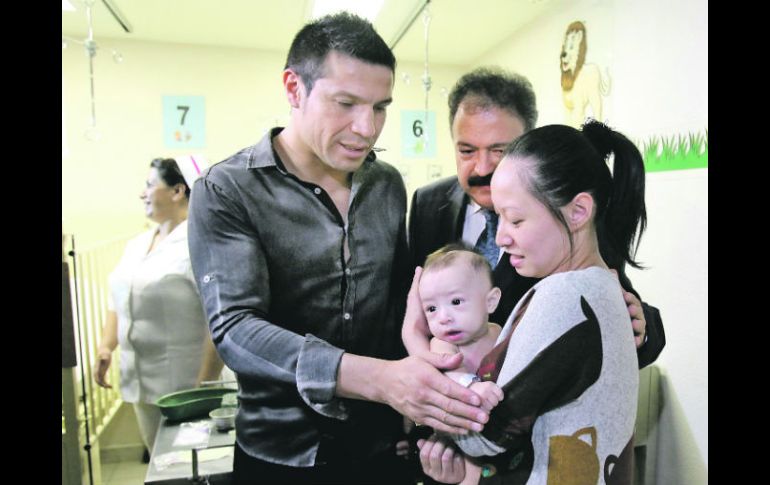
(558, 373)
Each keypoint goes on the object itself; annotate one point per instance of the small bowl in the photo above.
(224, 418)
(230, 400)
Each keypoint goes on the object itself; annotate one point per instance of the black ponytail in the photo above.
(621, 225)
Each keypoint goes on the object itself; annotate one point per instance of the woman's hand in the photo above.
(416, 334)
(441, 461)
(101, 366)
(104, 350)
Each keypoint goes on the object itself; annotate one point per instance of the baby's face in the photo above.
(455, 302)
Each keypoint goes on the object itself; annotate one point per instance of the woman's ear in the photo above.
(179, 191)
(580, 210)
(493, 298)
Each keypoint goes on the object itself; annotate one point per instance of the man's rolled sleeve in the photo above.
(317, 368)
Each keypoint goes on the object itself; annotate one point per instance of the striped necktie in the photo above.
(486, 242)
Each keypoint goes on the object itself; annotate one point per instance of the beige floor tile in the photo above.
(108, 469)
(128, 472)
(128, 481)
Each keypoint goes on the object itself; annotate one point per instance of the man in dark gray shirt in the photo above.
(298, 245)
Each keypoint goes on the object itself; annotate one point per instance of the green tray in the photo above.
(191, 403)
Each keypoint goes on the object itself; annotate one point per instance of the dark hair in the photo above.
(170, 174)
(342, 32)
(562, 162)
(492, 87)
(447, 255)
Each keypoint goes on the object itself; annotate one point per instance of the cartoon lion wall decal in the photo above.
(582, 84)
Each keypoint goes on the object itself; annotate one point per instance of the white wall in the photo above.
(101, 180)
(663, 88)
(657, 53)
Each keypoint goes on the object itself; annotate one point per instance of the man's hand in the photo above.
(413, 387)
(440, 461)
(416, 389)
(638, 323)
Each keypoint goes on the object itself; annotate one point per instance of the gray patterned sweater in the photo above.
(570, 379)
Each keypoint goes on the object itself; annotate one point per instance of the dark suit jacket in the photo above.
(436, 218)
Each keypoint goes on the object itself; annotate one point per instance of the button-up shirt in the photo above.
(283, 304)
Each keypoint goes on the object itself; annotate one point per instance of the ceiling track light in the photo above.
(118, 15)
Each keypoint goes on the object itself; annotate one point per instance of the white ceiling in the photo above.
(460, 31)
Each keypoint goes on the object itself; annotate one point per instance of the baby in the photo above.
(457, 297)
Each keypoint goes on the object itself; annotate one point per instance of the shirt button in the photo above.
(317, 191)
(347, 271)
(346, 316)
(206, 279)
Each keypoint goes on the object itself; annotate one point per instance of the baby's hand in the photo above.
(490, 394)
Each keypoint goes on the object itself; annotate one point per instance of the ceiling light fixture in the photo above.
(92, 133)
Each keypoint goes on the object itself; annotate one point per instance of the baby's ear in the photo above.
(493, 298)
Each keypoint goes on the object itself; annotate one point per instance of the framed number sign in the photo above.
(184, 121)
(418, 134)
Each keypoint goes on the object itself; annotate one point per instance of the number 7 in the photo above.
(185, 109)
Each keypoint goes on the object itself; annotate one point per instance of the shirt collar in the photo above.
(474, 207)
(263, 155)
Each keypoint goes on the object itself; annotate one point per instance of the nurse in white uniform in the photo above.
(155, 313)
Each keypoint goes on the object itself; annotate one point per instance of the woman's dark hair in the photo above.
(343, 32)
(562, 162)
(170, 174)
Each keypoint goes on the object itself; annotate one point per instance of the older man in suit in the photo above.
(488, 109)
